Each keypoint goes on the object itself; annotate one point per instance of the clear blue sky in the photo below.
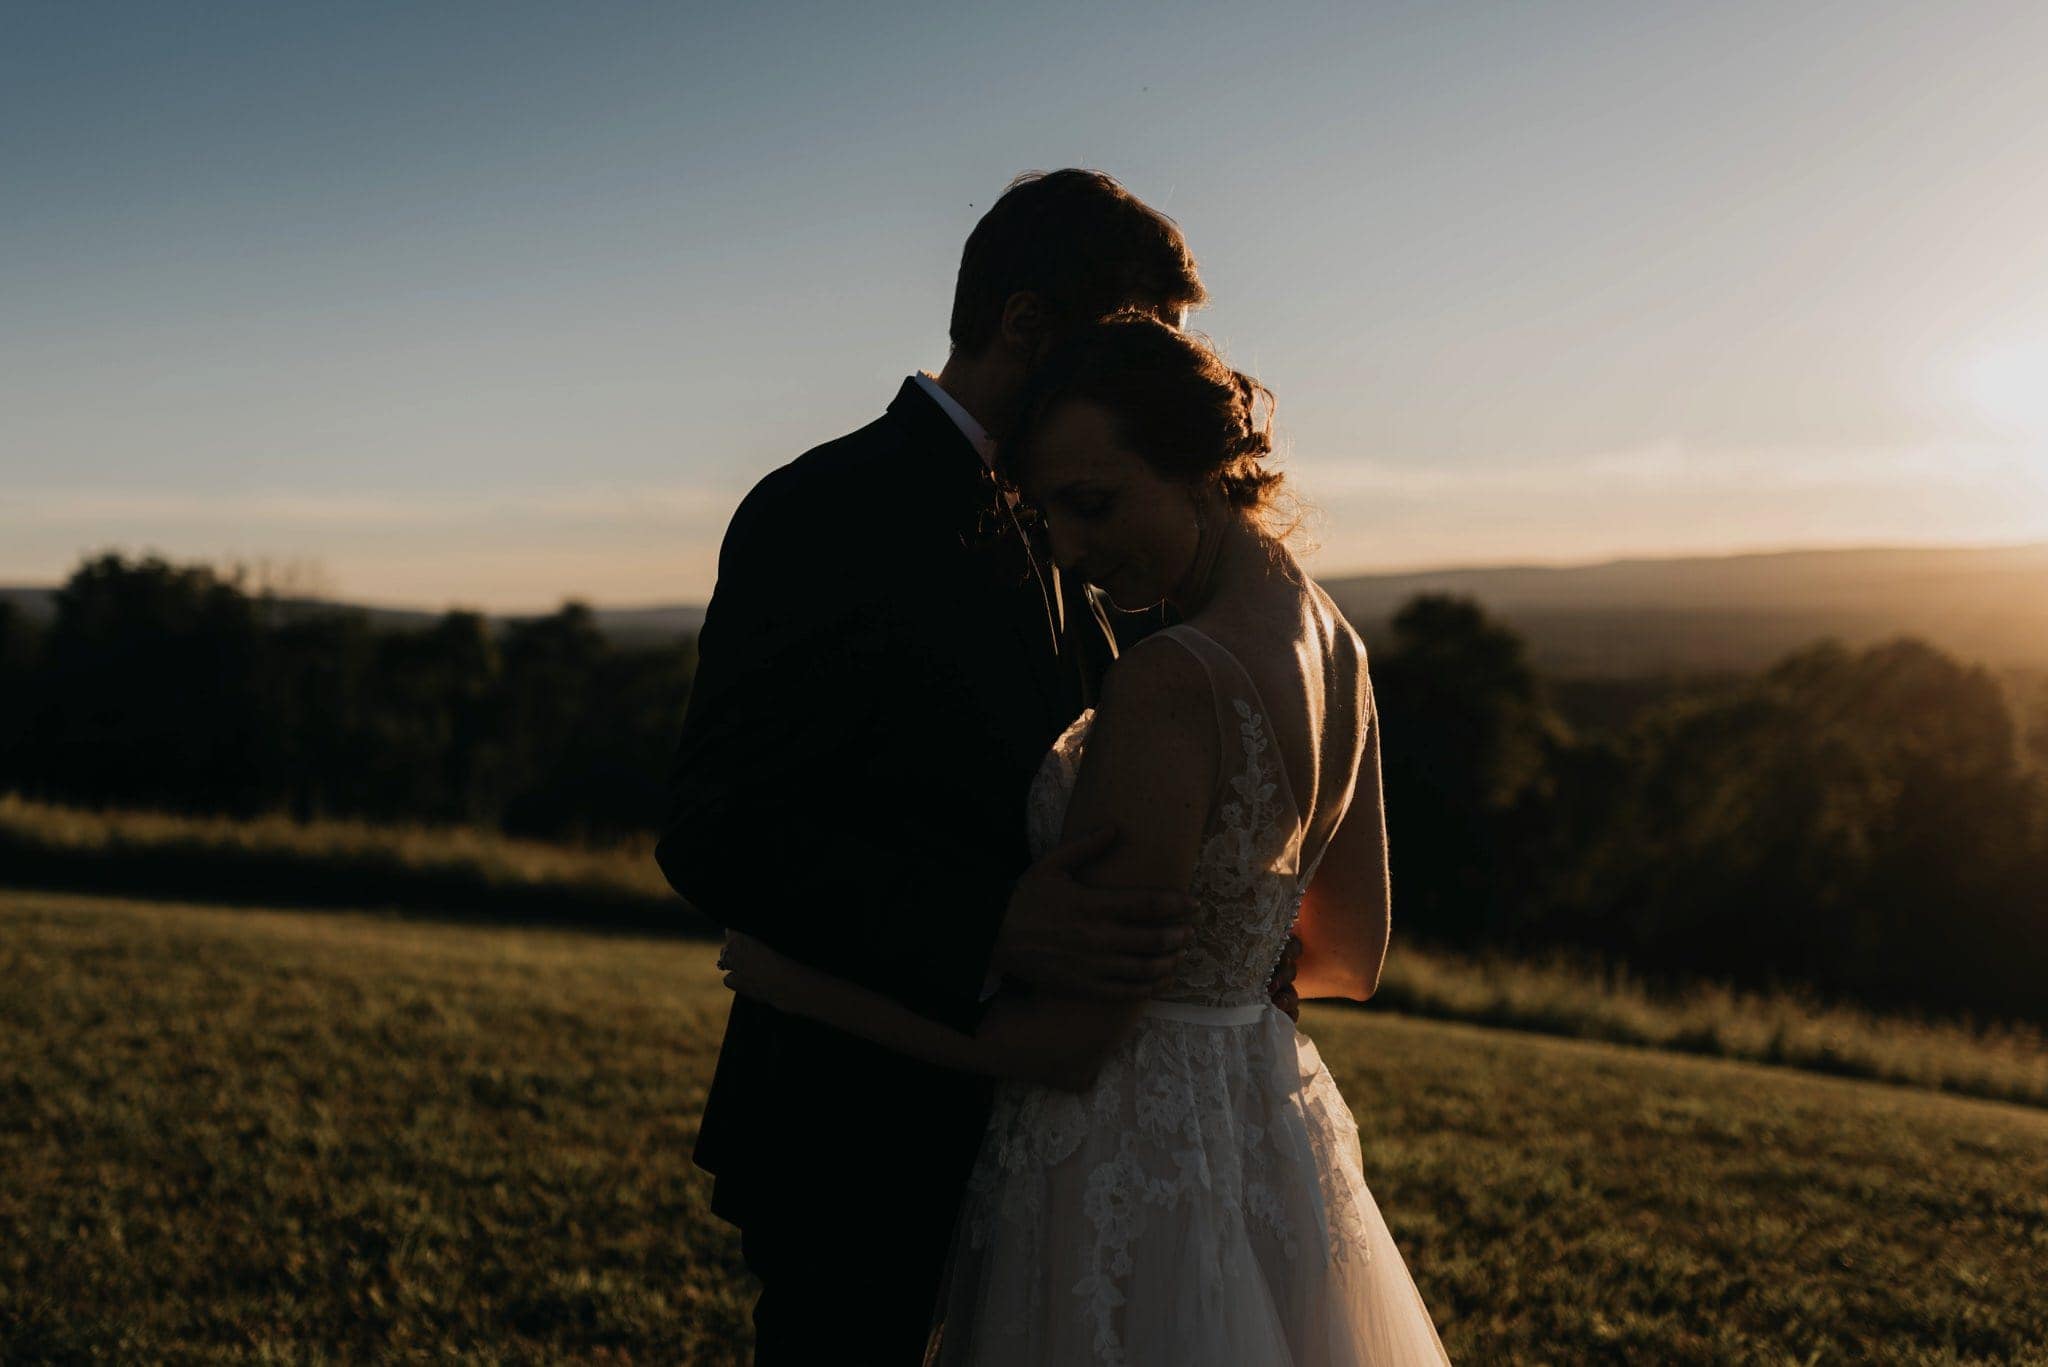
(495, 303)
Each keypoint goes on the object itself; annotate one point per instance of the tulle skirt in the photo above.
(1205, 1203)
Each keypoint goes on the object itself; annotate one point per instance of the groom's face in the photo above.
(1113, 520)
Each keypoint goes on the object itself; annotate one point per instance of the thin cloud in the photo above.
(1670, 466)
(172, 510)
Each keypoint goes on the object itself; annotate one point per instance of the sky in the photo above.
(499, 304)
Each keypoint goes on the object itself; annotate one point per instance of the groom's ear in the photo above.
(1027, 325)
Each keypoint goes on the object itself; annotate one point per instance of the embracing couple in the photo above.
(1017, 927)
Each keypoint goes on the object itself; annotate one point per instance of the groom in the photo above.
(885, 661)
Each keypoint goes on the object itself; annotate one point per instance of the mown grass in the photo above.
(462, 871)
(298, 1137)
(262, 1135)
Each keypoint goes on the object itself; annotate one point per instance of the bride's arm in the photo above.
(1149, 769)
(1345, 919)
(1037, 1039)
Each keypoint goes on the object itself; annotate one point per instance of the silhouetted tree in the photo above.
(21, 668)
(150, 695)
(1842, 822)
(317, 702)
(589, 719)
(1467, 741)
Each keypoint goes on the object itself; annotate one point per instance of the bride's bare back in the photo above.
(1309, 667)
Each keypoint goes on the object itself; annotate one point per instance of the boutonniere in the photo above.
(1002, 531)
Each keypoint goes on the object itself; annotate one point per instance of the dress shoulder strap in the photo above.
(1227, 678)
(1243, 728)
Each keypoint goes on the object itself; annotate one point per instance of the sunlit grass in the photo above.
(351, 862)
(259, 1135)
(492, 859)
(1566, 997)
(256, 1136)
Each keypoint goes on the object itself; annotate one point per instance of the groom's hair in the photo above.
(1083, 244)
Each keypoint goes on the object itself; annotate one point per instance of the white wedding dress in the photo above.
(1204, 1205)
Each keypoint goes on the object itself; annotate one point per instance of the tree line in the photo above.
(171, 687)
(1872, 823)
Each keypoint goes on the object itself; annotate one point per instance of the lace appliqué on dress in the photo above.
(1248, 899)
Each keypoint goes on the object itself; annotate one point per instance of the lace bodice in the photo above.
(1249, 878)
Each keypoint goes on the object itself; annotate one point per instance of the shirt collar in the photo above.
(976, 435)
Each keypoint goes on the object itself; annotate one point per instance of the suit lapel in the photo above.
(1011, 580)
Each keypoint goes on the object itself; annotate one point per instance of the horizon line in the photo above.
(1760, 552)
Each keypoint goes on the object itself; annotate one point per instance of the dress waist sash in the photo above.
(1194, 1013)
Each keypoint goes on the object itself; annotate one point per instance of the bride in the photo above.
(1176, 1181)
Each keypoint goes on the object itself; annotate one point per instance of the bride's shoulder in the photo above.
(1157, 672)
(1334, 627)
(1156, 718)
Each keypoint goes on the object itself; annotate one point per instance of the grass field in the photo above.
(443, 871)
(256, 1135)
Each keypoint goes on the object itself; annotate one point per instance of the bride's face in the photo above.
(1114, 521)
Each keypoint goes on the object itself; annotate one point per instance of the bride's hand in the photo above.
(754, 970)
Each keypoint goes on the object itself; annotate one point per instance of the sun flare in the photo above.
(2009, 387)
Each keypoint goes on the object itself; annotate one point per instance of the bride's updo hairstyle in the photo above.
(1173, 402)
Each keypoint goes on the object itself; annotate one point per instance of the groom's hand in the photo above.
(1063, 936)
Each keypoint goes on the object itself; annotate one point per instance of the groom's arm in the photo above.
(1151, 765)
(774, 826)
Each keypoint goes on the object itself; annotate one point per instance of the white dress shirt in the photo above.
(977, 436)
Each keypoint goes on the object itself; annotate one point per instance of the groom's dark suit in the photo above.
(880, 673)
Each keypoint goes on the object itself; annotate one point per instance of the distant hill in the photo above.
(1696, 614)
(1740, 612)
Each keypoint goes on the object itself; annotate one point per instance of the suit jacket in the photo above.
(878, 679)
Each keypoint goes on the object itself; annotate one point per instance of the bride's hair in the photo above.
(1173, 401)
